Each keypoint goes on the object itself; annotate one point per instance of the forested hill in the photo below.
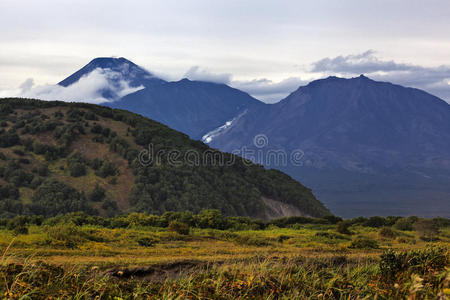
(58, 157)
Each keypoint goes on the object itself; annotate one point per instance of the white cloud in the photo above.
(197, 73)
(268, 90)
(91, 88)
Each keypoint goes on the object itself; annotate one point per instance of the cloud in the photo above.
(196, 73)
(365, 62)
(268, 90)
(99, 86)
(432, 79)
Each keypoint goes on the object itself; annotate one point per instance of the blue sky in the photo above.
(267, 48)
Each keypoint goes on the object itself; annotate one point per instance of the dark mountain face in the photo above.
(192, 107)
(363, 142)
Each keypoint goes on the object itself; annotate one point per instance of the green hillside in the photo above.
(58, 157)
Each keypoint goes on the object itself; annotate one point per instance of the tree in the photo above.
(53, 197)
(76, 165)
(97, 194)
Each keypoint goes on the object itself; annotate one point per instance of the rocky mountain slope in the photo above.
(369, 147)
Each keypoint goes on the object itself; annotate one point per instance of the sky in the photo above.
(266, 48)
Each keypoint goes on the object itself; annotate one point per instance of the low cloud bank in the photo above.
(105, 85)
(99, 86)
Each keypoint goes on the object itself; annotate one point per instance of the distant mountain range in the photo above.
(192, 107)
(368, 148)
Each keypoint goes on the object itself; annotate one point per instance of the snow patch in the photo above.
(208, 138)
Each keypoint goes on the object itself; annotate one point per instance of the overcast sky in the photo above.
(267, 48)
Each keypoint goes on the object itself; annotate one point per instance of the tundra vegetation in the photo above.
(211, 256)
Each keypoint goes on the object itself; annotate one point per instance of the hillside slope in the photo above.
(58, 157)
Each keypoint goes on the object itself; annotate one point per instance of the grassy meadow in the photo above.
(63, 258)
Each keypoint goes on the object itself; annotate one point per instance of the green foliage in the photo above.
(363, 243)
(43, 170)
(178, 227)
(387, 232)
(20, 230)
(9, 138)
(331, 236)
(288, 221)
(418, 261)
(405, 224)
(107, 169)
(54, 197)
(76, 164)
(97, 194)
(65, 235)
(146, 242)
(375, 221)
(342, 227)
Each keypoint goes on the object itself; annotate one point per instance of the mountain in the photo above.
(125, 69)
(192, 107)
(58, 157)
(368, 147)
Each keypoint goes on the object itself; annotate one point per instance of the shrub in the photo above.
(43, 170)
(387, 232)
(404, 240)
(20, 230)
(107, 169)
(67, 235)
(363, 243)
(178, 227)
(418, 261)
(77, 170)
(342, 227)
(283, 238)
(210, 218)
(331, 236)
(404, 224)
(76, 165)
(97, 194)
(146, 242)
(18, 152)
(252, 240)
(333, 219)
(375, 221)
